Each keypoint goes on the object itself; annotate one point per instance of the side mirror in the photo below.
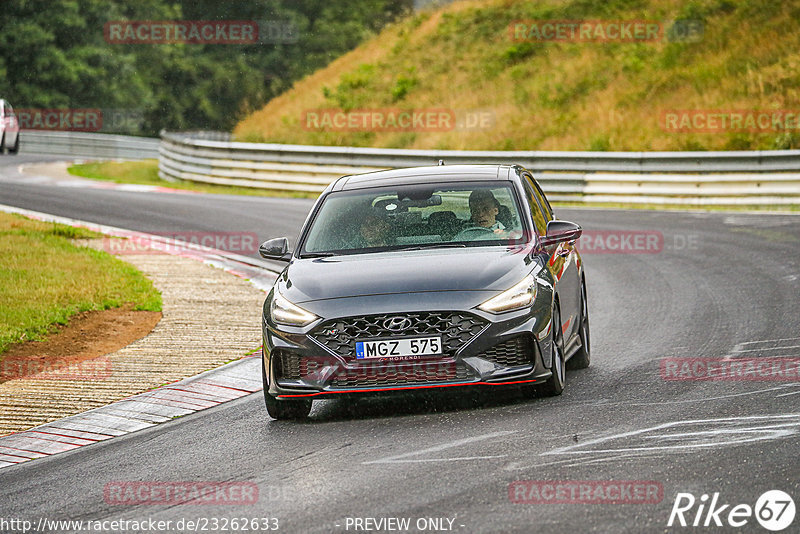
(560, 231)
(275, 249)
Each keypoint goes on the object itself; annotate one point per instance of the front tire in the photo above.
(581, 359)
(283, 409)
(287, 409)
(555, 384)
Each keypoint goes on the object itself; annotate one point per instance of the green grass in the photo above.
(45, 279)
(146, 173)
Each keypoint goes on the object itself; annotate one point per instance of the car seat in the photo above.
(444, 223)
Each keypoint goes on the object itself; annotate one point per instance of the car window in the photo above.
(386, 219)
(539, 220)
(543, 203)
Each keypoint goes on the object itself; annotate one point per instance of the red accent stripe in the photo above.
(21, 458)
(163, 401)
(84, 434)
(53, 437)
(167, 394)
(34, 453)
(217, 385)
(33, 444)
(207, 396)
(411, 387)
(202, 396)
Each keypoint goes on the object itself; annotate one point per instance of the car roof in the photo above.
(415, 175)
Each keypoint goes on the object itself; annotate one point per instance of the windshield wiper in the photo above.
(317, 255)
(422, 246)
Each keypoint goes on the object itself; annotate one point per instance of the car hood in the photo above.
(470, 269)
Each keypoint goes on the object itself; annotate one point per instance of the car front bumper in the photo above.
(481, 349)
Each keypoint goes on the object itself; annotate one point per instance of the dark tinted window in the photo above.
(543, 203)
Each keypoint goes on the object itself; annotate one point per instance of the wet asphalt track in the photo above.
(722, 285)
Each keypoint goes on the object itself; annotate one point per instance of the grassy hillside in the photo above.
(557, 95)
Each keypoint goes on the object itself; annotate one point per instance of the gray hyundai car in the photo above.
(429, 277)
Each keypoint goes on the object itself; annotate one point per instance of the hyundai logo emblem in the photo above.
(397, 324)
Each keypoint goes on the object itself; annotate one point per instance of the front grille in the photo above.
(287, 365)
(515, 351)
(456, 329)
(371, 373)
(401, 374)
(292, 367)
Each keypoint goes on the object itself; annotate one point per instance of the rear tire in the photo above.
(582, 358)
(16, 146)
(555, 384)
(283, 409)
(3, 149)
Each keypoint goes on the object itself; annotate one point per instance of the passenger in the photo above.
(374, 231)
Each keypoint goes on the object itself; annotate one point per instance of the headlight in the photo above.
(519, 296)
(284, 312)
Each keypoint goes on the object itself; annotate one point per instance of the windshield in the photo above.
(419, 216)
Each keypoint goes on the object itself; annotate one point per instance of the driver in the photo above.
(483, 223)
(484, 209)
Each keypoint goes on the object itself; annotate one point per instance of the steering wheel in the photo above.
(473, 231)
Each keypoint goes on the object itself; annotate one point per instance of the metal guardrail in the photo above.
(754, 178)
(537, 161)
(88, 145)
(689, 178)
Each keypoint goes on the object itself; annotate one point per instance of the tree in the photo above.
(53, 54)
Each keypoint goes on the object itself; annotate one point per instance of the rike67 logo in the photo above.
(774, 510)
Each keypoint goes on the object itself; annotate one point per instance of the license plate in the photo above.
(394, 348)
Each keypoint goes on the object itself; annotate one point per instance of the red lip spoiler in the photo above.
(406, 388)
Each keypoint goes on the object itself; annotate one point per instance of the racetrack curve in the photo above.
(722, 285)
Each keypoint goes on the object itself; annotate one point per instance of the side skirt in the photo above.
(574, 346)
